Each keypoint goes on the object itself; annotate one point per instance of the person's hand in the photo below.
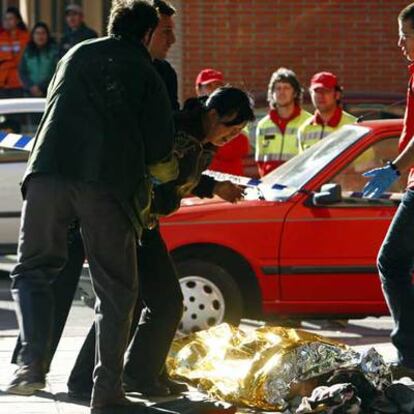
(35, 91)
(228, 191)
(382, 178)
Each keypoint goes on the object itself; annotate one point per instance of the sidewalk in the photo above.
(53, 400)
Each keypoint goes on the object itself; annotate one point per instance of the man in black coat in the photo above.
(103, 130)
(161, 297)
(161, 317)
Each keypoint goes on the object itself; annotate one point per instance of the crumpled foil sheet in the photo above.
(265, 367)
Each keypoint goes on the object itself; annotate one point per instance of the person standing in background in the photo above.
(76, 30)
(13, 39)
(326, 95)
(277, 132)
(39, 61)
(228, 158)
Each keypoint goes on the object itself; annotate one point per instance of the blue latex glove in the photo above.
(382, 178)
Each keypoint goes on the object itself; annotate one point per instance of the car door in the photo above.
(329, 252)
(12, 167)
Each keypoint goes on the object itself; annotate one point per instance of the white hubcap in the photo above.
(204, 304)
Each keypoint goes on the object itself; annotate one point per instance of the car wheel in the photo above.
(211, 296)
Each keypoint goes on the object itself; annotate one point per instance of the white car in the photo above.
(20, 116)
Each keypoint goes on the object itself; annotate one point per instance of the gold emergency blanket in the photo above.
(265, 367)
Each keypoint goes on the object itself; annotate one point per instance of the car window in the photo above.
(296, 172)
(369, 111)
(21, 123)
(351, 178)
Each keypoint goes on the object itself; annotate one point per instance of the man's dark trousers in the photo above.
(153, 330)
(149, 346)
(395, 265)
(63, 290)
(51, 204)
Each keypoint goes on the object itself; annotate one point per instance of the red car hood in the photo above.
(214, 209)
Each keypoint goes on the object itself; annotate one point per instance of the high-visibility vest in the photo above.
(11, 51)
(272, 144)
(310, 132)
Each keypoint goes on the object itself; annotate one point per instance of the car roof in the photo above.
(382, 123)
(21, 105)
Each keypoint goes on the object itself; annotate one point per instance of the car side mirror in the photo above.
(330, 193)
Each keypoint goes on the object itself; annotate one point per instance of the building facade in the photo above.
(249, 39)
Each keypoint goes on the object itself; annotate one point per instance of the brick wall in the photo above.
(248, 39)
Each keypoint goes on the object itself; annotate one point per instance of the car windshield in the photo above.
(296, 172)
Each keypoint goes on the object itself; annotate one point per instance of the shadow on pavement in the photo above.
(180, 405)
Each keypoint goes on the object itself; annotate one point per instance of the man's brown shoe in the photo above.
(27, 380)
(153, 388)
(116, 405)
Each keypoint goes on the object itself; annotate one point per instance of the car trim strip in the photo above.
(7, 251)
(10, 214)
(318, 269)
(247, 221)
(313, 219)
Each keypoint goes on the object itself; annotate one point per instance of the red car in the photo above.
(307, 249)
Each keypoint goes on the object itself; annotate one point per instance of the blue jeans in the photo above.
(395, 266)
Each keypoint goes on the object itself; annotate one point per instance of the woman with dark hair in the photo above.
(39, 61)
(13, 40)
(203, 125)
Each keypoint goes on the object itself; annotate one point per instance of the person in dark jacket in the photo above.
(103, 135)
(161, 43)
(152, 245)
(203, 125)
(39, 61)
(76, 30)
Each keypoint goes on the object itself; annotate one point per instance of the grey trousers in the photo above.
(51, 204)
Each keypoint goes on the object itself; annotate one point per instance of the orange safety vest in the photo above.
(12, 45)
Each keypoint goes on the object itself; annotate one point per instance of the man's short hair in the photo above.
(407, 14)
(164, 7)
(287, 76)
(132, 18)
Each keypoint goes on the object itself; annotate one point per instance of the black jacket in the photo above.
(107, 118)
(169, 76)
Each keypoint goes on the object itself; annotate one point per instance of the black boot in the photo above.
(174, 386)
(150, 388)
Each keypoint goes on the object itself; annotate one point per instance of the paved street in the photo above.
(361, 334)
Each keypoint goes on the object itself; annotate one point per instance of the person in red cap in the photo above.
(228, 158)
(326, 96)
(207, 81)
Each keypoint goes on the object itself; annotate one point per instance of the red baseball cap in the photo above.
(209, 75)
(325, 80)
